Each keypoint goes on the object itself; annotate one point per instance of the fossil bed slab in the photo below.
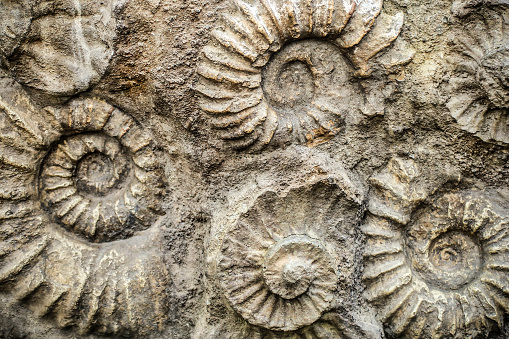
(254, 169)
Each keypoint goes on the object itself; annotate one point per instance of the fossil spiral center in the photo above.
(453, 260)
(297, 271)
(448, 257)
(289, 78)
(291, 267)
(96, 172)
(292, 87)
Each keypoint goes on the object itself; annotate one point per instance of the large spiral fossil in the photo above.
(445, 272)
(278, 265)
(101, 180)
(479, 85)
(101, 288)
(281, 67)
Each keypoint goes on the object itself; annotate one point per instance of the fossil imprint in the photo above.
(100, 288)
(278, 264)
(100, 181)
(61, 48)
(294, 277)
(479, 86)
(280, 67)
(442, 271)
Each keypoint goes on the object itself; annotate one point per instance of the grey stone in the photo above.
(254, 169)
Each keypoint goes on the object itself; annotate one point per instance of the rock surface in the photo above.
(254, 169)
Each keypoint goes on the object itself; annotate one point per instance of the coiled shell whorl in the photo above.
(479, 84)
(101, 179)
(59, 272)
(279, 264)
(282, 69)
(439, 271)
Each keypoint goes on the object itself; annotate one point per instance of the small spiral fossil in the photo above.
(283, 69)
(479, 85)
(102, 180)
(275, 267)
(295, 277)
(445, 272)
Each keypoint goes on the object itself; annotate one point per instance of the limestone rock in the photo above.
(266, 169)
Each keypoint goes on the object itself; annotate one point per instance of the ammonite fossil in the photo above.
(105, 287)
(479, 85)
(278, 264)
(62, 48)
(284, 68)
(101, 180)
(443, 273)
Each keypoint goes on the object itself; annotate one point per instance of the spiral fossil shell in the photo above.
(101, 181)
(271, 69)
(446, 272)
(479, 86)
(276, 267)
(104, 287)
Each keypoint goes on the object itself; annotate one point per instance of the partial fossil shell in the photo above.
(102, 180)
(61, 48)
(281, 67)
(278, 263)
(115, 288)
(445, 274)
(479, 86)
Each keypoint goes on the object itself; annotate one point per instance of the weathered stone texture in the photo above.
(254, 169)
